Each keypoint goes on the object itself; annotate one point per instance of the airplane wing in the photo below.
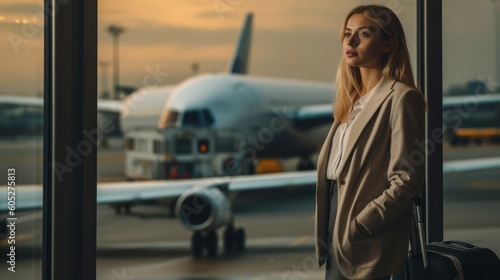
(470, 101)
(307, 117)
(469, 165)
(30, 197)
(109, 193)
(35, 101)
(103, 105)
(111, 106)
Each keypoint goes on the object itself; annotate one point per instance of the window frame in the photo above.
(70, 108)
(430, 80)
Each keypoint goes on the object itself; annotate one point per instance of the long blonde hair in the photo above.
(396, 63)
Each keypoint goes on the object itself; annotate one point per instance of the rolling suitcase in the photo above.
(447, 259)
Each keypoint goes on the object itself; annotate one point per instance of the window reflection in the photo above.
(21, 130)
(20, 120)
(472, 129)
(165, 44)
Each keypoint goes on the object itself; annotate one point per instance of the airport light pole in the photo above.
(497, 44)
(194, 67)
(104, 64)
(115, 31)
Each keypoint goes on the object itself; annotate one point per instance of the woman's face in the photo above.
(363, 45)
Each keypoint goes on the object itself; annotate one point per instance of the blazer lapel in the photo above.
(385, 89)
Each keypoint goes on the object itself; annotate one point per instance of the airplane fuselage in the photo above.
(260, 108)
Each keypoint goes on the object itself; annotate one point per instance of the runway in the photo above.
(149, 244)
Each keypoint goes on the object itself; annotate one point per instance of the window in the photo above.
(471, 74)
(171, 118)
(197, 118)
(183, 146)
(157, 147)
(21, 138)
(191, 118)
(297, 41)
(208, 118)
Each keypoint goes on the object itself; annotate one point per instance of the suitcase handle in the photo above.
(417, 201)
(461, 243)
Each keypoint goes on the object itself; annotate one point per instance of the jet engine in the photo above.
(203, 208)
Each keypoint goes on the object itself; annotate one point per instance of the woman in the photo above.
(370, 166)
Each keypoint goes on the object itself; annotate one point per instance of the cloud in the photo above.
(176, 35)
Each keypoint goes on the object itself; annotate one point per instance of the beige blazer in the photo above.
(382, 172)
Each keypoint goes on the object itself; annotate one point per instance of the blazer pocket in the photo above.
(355, 231)
(355, 227)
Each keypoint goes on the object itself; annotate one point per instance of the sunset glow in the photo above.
(173, 35)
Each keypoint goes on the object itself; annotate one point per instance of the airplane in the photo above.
(203, 204)
(235, 101)
(22, 116)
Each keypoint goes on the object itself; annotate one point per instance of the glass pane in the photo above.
(21, 136)
(191, 118)
(471, 75)
(162, 47)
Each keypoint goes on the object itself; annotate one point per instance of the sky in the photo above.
(295, 39)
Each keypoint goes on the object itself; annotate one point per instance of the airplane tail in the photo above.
(239, 62)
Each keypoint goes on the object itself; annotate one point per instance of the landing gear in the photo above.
(125, 207)
(211, 243)
(204, 240)
(234, 242)
(171, 208)
(305, 163)
(228, 239)
(197, 244)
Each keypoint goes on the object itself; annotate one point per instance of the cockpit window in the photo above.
(171, 118)
(168, 118)
(197, 118)
(191, 118)
(209, 119)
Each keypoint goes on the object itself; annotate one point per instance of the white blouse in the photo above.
(342, 133)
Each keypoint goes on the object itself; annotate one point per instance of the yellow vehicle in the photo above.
(473, 119)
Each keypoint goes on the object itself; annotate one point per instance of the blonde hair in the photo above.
(395, 64)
